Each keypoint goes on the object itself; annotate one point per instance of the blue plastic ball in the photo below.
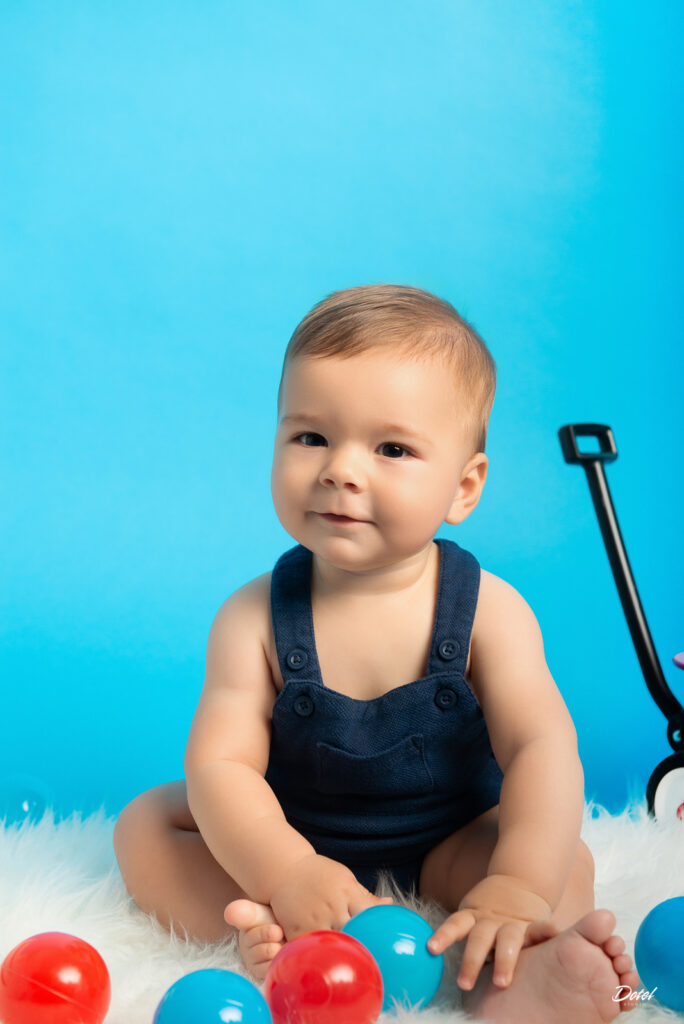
(213, 996)
(659, 952)
(397, 938)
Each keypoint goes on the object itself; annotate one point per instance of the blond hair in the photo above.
(411, 321)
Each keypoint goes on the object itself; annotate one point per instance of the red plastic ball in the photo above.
(324, 977)
(54, 978)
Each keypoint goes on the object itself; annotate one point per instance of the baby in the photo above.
(378, 701)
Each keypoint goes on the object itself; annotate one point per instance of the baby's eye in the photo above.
(393, 451)
(310, 440)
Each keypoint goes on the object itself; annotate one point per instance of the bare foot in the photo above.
(261, 937)
(572, 976)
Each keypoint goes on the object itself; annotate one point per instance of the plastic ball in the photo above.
(397, 937)
(213, 996)
(54, 978)
(659, 952)
(324, 977)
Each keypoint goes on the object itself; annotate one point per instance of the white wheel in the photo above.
(665, 793)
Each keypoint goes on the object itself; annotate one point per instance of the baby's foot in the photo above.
(572, 976)
(261, 937)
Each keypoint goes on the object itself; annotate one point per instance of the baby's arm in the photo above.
(227, 752)
(535, 744)
(236, 811)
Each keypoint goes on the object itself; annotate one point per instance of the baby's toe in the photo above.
(632, 979)
(622, 963)
(261, 957)
(614, 945)
(258, 972)
(244, 913)
(265, 951)
(257, 956)
(264, 933)
(597, 926)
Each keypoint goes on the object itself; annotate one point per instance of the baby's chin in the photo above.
(344, 549)
(349, 554)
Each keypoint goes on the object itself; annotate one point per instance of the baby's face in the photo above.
(369, 456)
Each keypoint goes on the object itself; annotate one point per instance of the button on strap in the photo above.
(297, 659)
(449, 649)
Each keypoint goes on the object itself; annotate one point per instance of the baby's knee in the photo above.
(140, 822)
(584, 860)
(129, 828)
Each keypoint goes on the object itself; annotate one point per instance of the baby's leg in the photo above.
(170, 872)
(457, 864)
(574, 974)
(167, 867)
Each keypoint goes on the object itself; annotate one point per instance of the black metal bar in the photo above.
(617, 555)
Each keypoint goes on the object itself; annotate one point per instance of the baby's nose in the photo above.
(343, 468)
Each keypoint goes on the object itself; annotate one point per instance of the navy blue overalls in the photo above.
(378, 783)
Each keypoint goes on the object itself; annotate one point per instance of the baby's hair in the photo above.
(411, 321)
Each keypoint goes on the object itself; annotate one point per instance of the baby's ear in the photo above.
(469, 489)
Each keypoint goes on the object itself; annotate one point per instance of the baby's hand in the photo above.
(495, 915)
(319, 893)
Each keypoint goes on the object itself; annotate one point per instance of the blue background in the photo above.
(180, 183)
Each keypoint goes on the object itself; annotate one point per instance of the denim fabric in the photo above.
(378, 783)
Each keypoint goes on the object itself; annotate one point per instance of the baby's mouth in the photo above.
(333, 518)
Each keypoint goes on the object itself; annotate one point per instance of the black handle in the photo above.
(571, 453)
(592, 463)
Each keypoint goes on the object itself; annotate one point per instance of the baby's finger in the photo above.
(455, 928)
(509, 942)
(363, 899)
(478, 945)
(539, 931)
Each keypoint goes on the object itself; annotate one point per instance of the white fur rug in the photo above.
(63, 877)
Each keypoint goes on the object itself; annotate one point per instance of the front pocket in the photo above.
(401, 770)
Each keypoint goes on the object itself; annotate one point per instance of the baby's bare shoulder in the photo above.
(504, 624)
(500, 609)
(509, 674)
(250, 604)
(232, 718)
(494, 588)
(240, 631)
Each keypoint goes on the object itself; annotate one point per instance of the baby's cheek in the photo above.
(286, 484)
(415, 505)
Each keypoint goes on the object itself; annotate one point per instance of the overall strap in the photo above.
(292, 616)
(459, 584)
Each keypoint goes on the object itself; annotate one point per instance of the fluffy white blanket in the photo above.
(63, 877)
